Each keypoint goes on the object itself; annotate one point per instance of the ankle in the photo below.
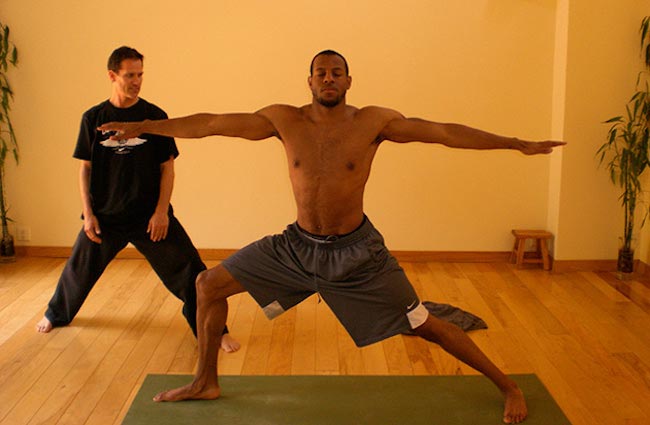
(510, 387)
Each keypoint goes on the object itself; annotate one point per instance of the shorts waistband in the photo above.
(336, 241)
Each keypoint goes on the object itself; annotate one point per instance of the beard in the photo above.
(332, 102)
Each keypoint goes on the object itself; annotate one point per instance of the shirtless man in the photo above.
(332, 248)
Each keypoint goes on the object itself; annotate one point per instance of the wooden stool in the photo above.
(540, 237)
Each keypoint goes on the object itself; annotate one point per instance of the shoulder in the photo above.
(379, 113)
(378, 118)
(280, 111)
(279, 108)
(152, 110)
(96, 115)
(94, 110)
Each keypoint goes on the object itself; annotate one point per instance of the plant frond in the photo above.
(8, 56)
(644, 30)
(615, 119)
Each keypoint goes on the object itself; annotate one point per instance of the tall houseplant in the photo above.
(8, 145)
(625, 153)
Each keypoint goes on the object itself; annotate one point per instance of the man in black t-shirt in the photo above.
(126, 188)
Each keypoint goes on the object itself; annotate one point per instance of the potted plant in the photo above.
(8, 145)
(625, 154)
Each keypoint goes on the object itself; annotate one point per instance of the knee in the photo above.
(212, 284)
(205, 285)
(201, 281)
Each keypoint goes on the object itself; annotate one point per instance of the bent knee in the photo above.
(202, 280)
(217, 283)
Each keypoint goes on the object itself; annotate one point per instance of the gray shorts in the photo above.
(355, 274)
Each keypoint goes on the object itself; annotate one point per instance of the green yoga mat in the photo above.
(342, 400)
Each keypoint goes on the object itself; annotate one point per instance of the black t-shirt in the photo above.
(125, 174)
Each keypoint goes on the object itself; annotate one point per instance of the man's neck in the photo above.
(322, 112)
(122, 102)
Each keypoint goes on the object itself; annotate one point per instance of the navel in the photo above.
(296, 163)
(350, 166)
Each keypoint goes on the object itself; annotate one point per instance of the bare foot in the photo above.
(44, 326)
(515, 410)
(229, 344)
(188, 392)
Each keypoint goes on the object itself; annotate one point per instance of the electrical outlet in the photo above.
(23, 233)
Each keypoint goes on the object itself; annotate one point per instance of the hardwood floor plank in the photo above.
(88, 351)
(175, 329)
(185, 357)
(257, 354)
(499, 316)
(419, 356)
(281, 346)
(116, 394)
(585, 334)
(240, 324)
(101, 397)
(46, 359)
(373, 359)
(397, 359)
(303, 356)
(327, 352)
(350, 359)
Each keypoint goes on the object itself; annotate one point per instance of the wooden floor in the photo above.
(586, 335)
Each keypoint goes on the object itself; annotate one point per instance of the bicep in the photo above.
(403, 130)
(167, 166)
(252, 126)
(84, 175)
(84, 166)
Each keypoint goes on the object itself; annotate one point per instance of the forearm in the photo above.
(190, 127)
(166, 186)
(461, 136)
(84, 188)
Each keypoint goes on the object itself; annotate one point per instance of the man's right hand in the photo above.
(91, 228)
(122, 130)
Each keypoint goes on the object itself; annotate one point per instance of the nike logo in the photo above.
(408, 307)
(121, 143)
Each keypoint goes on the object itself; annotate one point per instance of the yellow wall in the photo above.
(486, 63)
(602, 65)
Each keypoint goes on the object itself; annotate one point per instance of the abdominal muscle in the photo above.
(329, 209)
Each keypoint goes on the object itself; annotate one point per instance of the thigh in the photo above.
(90, 258)
(271, 272)
(375, 299)
(172, 258)
(376, 309)
(176, 247)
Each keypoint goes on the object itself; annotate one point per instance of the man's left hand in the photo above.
(158, 225)
(534, 148)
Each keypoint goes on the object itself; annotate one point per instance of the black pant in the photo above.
(174, 259)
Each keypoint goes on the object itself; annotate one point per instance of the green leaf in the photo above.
(14, 56)
(8, 141)
(645, 26)
(5, 40)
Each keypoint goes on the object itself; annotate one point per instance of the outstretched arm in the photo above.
(253, 126)
(404, 130)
